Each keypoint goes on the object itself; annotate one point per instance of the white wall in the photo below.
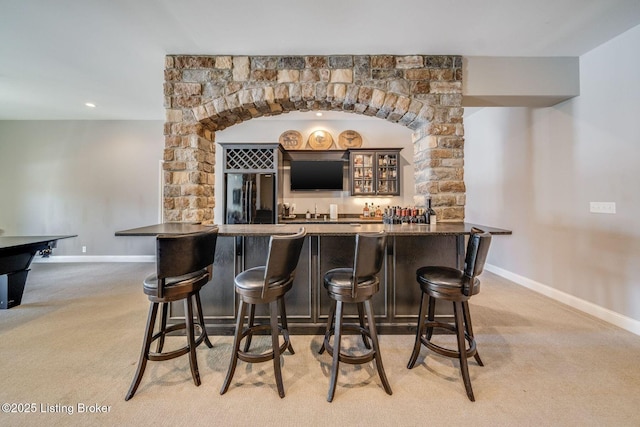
(375, 133)
(89, 178)
(536, 170)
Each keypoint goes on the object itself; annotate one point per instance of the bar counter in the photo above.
(315, 228)
(327, 246)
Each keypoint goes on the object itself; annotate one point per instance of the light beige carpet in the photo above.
(73, 344)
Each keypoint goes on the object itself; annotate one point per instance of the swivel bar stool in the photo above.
(356, 285)
(266, 285)
(184, 265)
(457, 286)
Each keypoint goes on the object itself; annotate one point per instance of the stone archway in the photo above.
(204, 94)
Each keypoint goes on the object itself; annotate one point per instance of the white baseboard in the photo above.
(93, 258)
(595, 310)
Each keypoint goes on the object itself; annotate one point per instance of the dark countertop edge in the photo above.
(333, 229)
(13, 242)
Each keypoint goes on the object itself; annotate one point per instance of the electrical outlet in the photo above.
(84, 249)
(602, 207)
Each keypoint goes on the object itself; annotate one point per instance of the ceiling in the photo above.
(57, 55)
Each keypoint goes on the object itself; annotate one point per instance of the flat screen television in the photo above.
(309, 175)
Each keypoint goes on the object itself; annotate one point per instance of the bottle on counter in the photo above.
(431, 214)
(365, 211)
(378, 212)
(308, 214)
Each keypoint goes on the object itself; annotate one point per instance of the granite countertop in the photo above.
(314, 228)
(341, 229)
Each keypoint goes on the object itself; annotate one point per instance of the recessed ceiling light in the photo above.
(319, 114)
(90, 104)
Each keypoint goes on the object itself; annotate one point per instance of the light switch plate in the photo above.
(602, 207)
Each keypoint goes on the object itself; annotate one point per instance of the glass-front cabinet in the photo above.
(375, 172)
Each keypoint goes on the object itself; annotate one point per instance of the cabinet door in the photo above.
(387, 173)
(363, 178)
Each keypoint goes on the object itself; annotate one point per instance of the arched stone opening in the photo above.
(204, 94)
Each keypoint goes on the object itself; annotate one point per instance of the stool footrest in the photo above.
(350, 358)
(154, 357)
(471, 350)
(262, 357)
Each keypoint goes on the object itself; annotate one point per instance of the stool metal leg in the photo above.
(275, 342)
(419, 332)
(146, 345)
(236, 347)
(462, 348)
(376, 347)
(337, 336)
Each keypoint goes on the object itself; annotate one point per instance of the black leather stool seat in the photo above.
(175, 287)
(250, 282)
(446, 282)
(338, 281)
(355, 285)
(456, 286)
(184, 264)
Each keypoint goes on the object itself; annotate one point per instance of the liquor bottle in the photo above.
(431, 214)
(365, 211)
(378, 211)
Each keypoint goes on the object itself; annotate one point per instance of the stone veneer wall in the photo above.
(208, 93)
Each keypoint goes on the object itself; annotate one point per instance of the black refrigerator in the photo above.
(250, 198)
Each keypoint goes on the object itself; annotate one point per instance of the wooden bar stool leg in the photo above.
(252, 316)
(462, 349)
(193, 359)
(361, 319)
(242, 307)
(275, 342)
(164, 309)
(283, 320)
(201, 320)
(376, 347)
(327, 333)
(420, 331)
(467, 322)
(431, 316)
(144, 354)
(337, 336)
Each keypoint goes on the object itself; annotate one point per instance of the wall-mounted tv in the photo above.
(308, 175)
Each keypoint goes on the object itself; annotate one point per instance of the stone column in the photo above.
(439, 159)
(189, 159)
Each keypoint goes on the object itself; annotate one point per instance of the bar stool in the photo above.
(457, 286)
(184, 264)
(266, 285)
(356, 285)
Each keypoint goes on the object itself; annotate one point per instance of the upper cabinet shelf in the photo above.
(375, 172)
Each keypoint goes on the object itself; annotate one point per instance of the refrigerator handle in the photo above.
(250, 202)
(247, 201)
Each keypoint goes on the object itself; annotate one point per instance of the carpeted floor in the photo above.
(69, 352)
